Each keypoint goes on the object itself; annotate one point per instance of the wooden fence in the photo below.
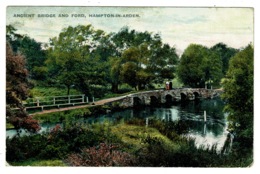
(51, 102)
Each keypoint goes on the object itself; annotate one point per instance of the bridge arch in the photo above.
(154, 101)
(184, 96)
(196, 95)
(169, 98)
(137, 101)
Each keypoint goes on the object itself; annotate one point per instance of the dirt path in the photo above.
(100, 102)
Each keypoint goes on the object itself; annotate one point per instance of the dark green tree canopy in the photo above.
(32, 50)
(199, 66)
(73, 59)
(225, 53)
(239, 93)
(154, 61)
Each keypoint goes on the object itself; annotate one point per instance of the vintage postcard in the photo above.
(125, 86)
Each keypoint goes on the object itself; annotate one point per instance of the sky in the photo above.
(178, 26)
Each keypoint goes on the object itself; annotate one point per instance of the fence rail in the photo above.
(50, 102)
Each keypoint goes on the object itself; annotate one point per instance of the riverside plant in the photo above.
(102, 155)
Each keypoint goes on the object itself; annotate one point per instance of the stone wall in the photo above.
(163, 96)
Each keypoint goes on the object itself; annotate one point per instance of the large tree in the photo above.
(239, 93)
(134, 70)
(31, 49)
(162, 61)
(199, 66)
(72, 59)
(16, 92)
(126, 42)
(143, 56)
(225, 53)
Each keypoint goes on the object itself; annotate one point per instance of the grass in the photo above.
(51, 91)
(133, 136)
(9, 126)
(32, 162)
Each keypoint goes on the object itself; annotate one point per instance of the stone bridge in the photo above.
(166, 96)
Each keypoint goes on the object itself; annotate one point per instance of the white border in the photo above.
(180, 3)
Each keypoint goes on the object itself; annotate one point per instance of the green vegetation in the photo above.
(200, 66)
(42, 163)
(90, 61)
(238, 92)
(144, 146)
(9, 126)
(71, 115)
(50, 91)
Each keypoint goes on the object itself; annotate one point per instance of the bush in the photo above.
(101, 155)
(21, 148)
(157, 154)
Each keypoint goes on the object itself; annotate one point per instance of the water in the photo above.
(213, 131)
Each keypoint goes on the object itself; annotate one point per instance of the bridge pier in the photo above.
(166, 96)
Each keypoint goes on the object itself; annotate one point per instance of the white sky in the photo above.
(178, 26)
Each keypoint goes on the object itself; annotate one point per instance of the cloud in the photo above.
(177, 26)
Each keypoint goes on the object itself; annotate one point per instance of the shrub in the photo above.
(101, 155)
(21, 148)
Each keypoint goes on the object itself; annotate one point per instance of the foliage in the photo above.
(38, 91)
(118, 145)
(199, 66)
(16, 91)
(225, 53)
(102, 155)
(72, 60)
(25, 147)
(140, 58)
(88, 60)
(162, 61)
(13, 38)
(32, 50)
(238, 91)
(43, 163)
(57, 143)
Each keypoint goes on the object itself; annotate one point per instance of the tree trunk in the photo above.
(114, 87)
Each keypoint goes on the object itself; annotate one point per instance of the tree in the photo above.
(13, 38)
(16, 92)
(32, 50)
(162, 61)
(212, 67)
(152, 60)
(35, 57)
(225, 53)
(72, 59)
(126, 42)
(238, 92)
(134, 71)
(199, 66)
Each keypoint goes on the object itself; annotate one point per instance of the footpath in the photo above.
(100, 102)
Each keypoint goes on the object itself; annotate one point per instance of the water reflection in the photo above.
(213, 131)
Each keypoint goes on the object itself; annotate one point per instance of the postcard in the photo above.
(129, 86)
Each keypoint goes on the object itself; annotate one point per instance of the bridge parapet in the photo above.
(164, 96)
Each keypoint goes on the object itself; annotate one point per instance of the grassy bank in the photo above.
(159, 144)
(42, 163)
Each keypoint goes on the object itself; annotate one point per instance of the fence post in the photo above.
(93, 99)
(38, 102)
(69, 98)
(83, 98)
(54, 102)
(87, 99)
(205, 116)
